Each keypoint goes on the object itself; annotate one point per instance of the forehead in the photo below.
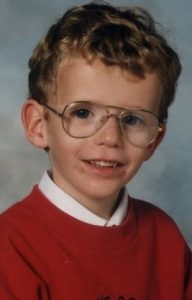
(110, 85)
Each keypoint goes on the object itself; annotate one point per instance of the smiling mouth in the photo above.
(103, 163)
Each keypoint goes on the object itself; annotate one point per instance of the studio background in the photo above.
(165, 180)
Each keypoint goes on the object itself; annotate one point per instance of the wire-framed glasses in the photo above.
(82, 119)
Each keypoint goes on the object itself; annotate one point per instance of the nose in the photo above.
(110, 134)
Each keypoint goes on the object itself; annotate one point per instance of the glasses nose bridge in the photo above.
(112, 115)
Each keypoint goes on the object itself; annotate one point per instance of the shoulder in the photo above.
(150, 212)
(15, 214)
(152, 219)
(15, 221)
(20, 218)
(23, 229)
(161, 238)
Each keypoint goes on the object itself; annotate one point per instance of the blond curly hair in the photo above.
(124, 37)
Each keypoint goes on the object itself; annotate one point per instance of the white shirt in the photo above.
(69, 205)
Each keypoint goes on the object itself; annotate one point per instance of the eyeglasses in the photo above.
(82, 119)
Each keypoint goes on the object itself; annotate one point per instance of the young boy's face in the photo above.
(71, 159)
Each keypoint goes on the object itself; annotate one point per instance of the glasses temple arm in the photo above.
(53, 110)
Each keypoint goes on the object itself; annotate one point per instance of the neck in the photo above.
(103, 207)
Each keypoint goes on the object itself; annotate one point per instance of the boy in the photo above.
(100, 85)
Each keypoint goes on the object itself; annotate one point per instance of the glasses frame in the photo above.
(107, 116)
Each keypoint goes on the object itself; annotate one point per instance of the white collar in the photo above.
(69, 205)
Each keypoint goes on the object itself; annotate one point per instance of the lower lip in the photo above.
(104, 171)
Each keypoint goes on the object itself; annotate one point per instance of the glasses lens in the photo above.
(140, 127)
(82, 119)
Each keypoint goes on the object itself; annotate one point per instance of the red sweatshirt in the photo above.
(48, 255)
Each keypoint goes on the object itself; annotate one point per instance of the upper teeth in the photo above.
(102, 163)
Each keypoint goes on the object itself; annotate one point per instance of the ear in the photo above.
(34, 123)
(153, 146)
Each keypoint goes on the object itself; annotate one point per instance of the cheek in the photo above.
(136, 157)
(63, 151)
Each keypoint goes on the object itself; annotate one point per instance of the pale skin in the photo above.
(94, 187)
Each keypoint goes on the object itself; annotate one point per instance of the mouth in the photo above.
(104, 164)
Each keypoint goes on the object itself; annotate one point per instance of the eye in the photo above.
(132, 120)
(82, 113)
